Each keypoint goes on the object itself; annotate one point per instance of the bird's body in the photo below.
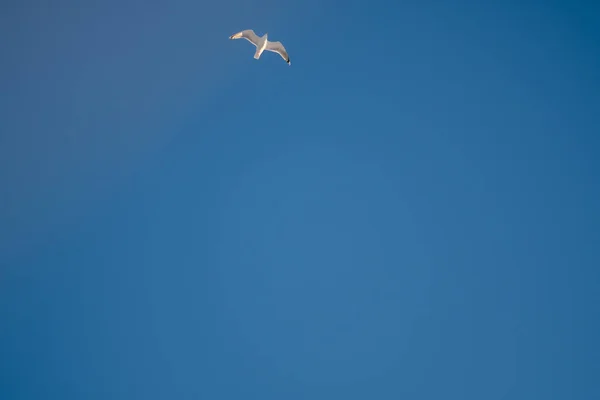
(262, 44)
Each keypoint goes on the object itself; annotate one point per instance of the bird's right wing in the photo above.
(248, 34)
(277, 47)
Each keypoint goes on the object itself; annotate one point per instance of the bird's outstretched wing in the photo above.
(277, 47)
(248, 34)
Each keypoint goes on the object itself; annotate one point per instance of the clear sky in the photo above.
(411, 210)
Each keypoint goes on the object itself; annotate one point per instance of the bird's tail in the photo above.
(258, 53)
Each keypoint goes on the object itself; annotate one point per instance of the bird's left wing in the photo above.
(277, 47)
(248, 34)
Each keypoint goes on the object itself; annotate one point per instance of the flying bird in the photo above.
(262, 44)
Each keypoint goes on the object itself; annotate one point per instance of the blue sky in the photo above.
(408, 211)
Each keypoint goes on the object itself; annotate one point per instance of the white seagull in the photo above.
(262, 44)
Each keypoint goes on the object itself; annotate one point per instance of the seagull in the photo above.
(262, 44)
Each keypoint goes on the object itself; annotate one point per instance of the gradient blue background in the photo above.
(410, 211)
